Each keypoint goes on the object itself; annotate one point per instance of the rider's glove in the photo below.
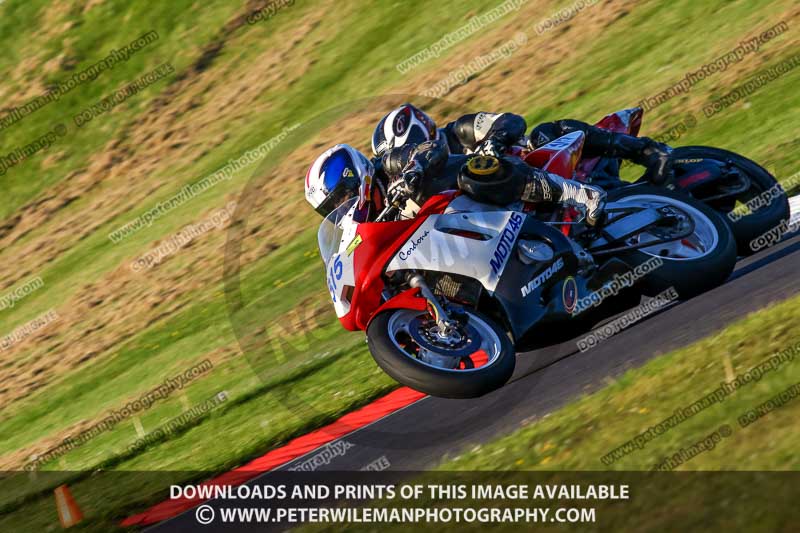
(403, 187)
(492, 147)
(583, 196)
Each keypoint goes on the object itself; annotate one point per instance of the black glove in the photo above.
(492, 147)
(403, 187)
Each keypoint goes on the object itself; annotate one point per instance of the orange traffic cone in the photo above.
(69, 513)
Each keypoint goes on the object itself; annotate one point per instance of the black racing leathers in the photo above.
(602, 143)
(470, 132)
(428, 168)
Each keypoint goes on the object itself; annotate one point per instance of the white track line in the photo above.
(794, 209)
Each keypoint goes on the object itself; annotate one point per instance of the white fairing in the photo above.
(481, 254)
(338, 254)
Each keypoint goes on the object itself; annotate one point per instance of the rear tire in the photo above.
(689, 277)
(750, 227)
(445, 383)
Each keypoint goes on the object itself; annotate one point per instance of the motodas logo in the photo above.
(507, 239)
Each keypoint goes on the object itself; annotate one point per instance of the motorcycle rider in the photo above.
(410, 125)
(653, 155)
(492, 134)
(420, 171)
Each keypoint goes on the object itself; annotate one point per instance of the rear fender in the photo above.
(693, 173)
(627, 121)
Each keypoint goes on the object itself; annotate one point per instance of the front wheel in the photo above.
(474, 358)
(693, 264)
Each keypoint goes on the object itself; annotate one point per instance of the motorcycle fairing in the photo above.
(472, 244)
(559, 156)
(627, 121)
(526, 309)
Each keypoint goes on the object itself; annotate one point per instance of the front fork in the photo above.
(443, 322)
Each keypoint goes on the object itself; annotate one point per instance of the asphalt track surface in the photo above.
(423, 434)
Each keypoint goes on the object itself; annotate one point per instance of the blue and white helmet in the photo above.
(340, 173)
(405, 125)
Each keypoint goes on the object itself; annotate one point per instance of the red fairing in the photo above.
(627, 121)
(409, 299)
(437, 204)
(559, 156)
(380, 243)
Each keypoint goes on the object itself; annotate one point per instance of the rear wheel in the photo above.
(725, 194)
(691, 265)
(473, 358)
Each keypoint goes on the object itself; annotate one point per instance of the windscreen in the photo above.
(329, 236)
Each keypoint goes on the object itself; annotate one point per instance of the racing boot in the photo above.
(655, 156)
(542, 186)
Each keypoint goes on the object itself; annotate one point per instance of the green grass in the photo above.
(578, 435)
(353, 58)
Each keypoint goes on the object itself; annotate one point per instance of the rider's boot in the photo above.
(542, 186)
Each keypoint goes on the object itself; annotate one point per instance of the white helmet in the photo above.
(341, 173)
(405, 125)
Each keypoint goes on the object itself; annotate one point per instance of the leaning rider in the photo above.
(419, 171)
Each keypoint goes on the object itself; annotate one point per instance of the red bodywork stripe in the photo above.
(394, 401)
(694, 178)
(376, 252)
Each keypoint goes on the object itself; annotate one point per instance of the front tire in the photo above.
(395, 342)
(707, 258)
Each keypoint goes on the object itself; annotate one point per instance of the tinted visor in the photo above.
(339, 181)
(416, 135)
(345, 188)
